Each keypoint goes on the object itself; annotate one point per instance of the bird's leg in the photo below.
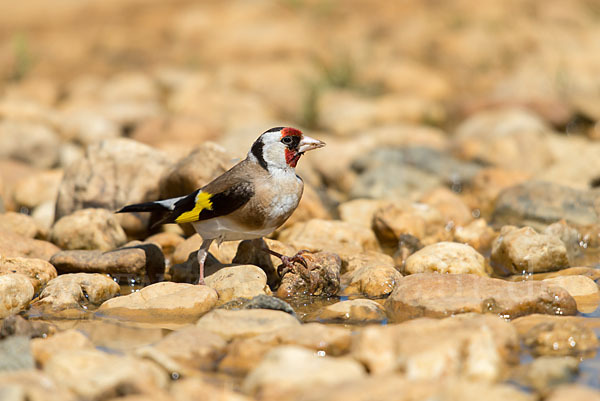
(202, 254)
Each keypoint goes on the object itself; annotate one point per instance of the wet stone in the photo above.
(15, 325)
(43, 349)
(242, 355)
(541, 203)
(246, 281)
(249, 252)
(576, 285)
(95, 375)
(440, 295)
(524, 250)
(371, 281)
(545, 372)
(356, 311)
(123, 263)
(88, 229)
(16, 291)
(15, 354)
(185, 350)
(321, 278)
(231, 324)
(76, 291)
(39, 271)
(260, 302)
(33, 385)
(162, 302)
(446, 257)
(470, 346)
(560, 337)
(288, 369)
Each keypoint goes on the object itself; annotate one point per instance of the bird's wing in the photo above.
(204, 205)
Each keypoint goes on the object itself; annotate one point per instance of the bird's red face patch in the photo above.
(291, 153)
(288, 131)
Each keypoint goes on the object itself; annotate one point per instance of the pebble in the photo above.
(76, 290)
(16, 325)
(371, 281)
(16, 291)
(231, 324)
(545, 372)
(195, 388)
(440, 295)
(288, 369)
(446, 257)
(194, 171)
(33, 385)
(39, 271)
(38, 188)
(109, 176)
(367, 259)
(245, 281)
(162, 302)
(574, 392)
(88, 229)
(523, 250)
(15, 354)
(250, 252)
(93, 375)
(331, 236)
(452, 208)
(244, 354)
(504, 137)
(34, 143)
(13, 245)
(355, 311)
(43, 349)
(477, 234)
(122, 263)
(575, 285)
(421, 221)
(556, 335)
(471, 346)
(186, 350)
(21, 224)
(541, 203)
(399, 388)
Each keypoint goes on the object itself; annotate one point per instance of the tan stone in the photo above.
(39, 271)
(446, 257)
(372, 281)
(76, 290)
(21, 224)
(289, 369)
(185, 350)
(43, 349)
(244, 354)
(162, 302)
(449, 204)
(524, 250)
(440, 295)
(16, 291)
(13, 245)
(477, 234)
(575, 285)
(95, 375)
(232, 324)
(574, 392)
(245, 281)
(38, 188)
(88, 229)
(33, 385)
(350, 311)
(195, 388)
(474, 347)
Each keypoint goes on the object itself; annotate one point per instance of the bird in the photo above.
(248, 201)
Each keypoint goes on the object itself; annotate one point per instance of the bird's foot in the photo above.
(298, 264)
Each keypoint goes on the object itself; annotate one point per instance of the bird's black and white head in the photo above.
(281, 148)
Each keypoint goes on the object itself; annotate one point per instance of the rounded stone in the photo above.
(88, 229)
(16, 291)
(446, 257)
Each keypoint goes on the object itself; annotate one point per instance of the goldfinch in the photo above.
(248, 201)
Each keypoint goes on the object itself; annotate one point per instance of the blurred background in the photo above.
(358, 74)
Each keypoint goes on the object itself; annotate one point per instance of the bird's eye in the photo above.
(286, 140)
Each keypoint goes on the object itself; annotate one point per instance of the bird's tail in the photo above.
(144, 207)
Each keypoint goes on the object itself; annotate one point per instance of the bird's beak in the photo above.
(307, 143)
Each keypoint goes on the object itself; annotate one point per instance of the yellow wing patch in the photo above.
(202, 202)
